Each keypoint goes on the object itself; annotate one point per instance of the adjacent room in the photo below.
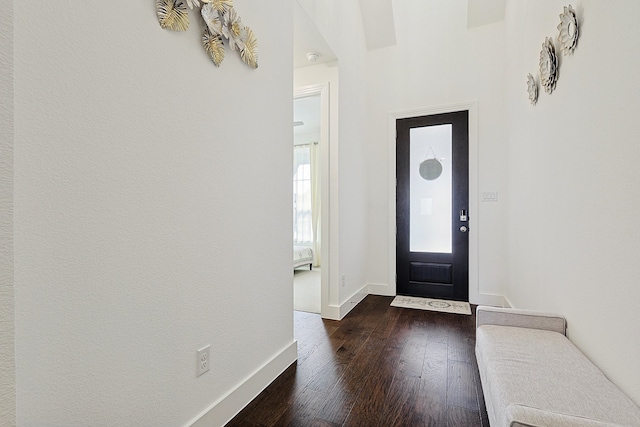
(307, 204)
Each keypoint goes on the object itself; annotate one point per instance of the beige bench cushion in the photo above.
(542, 370)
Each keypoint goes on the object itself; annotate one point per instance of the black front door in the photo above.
(432, 196)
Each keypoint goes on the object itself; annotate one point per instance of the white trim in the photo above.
(475, 296)
(332, 312)
(381, 289)
(337, 312)
(491, 299)
(227, 407)
(353, 300)
(507, 303)
(325, 189)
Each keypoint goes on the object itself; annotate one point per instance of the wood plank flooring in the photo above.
(379, 366)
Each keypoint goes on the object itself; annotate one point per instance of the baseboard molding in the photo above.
(331, 312)
(507, 303)
(222, 411)
(353, 300)
(337, 312)
(382, 289)
(488, 299)
(479, 299)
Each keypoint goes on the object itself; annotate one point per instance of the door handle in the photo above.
(464, 228)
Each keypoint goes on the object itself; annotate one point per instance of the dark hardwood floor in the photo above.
(379, 366)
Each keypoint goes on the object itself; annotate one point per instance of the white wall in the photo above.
(437, 62)
(574, 181)
(152, 213)
(340, 24)
(7, 318)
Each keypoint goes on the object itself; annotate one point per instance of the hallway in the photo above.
(380, 366)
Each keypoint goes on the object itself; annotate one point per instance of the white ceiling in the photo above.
(307, 38)
(379, 26)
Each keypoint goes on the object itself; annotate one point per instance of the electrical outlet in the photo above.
(344, 280)
(204, 357)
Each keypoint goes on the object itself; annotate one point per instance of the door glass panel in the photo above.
(430, 179)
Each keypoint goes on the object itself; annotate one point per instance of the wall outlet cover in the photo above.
(203, 360)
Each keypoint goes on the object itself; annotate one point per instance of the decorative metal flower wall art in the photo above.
(568, 30)
(172, 15)
(532, 89)
(222, 22)
(548, 66)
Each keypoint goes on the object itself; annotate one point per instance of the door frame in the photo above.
(322, 90)
(474, 211)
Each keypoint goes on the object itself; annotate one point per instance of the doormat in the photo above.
(456, 307)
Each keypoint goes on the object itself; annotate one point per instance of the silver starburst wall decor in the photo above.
(222, 22)
(532, 89)
(548, 66)
(568, 30)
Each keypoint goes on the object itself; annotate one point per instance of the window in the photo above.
(302, 222)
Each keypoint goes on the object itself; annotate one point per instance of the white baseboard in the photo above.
(382, 289)
(332, 312)
(353, 300)
(488, 299)
(507, 303)
(222, 411)
(479, 299)
(337, 312)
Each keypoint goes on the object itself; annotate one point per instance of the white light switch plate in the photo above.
(490, 196)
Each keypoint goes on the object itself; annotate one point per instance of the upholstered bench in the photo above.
(532, 375)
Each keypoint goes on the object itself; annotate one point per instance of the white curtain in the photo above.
(314, 158)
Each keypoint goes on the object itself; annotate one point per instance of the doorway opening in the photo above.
(473, 213)
(311, 198)
(315, 75)
(307, 203)
(432, 196)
